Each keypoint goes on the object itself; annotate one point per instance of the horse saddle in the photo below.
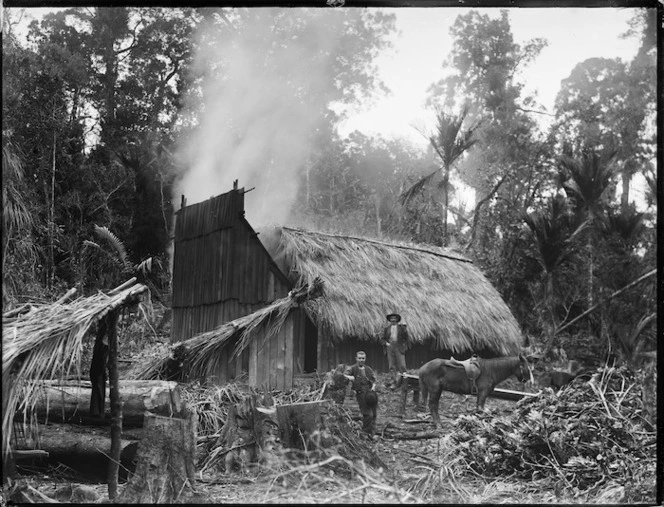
(472, 368)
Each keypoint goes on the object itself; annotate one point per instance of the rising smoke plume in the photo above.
(266, 86)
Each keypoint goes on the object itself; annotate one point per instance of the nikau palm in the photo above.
(450, 142)
(554, 229)
(587, 180)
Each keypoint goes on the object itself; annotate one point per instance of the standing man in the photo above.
(364, 385)
(396, 340)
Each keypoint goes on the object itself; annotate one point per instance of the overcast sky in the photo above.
(574, 35)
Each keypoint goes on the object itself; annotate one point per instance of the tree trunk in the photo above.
(166, 460)
(446, 192)
(624, 198)
(379, 228)
(86, 449)
(51, 222)
(116, 404)
(69, 401)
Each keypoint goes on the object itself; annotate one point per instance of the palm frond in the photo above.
(87, 242)
(586, 178)
(417, 187)
(554, 229)
(145, 267)
(115, 242)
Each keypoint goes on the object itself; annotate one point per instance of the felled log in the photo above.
(403, 434)
(165, 465)
(69, 402)
(510, 394)
(85, 449)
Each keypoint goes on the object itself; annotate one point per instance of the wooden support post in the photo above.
(116, 404)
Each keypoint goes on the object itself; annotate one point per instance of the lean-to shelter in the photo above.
(223, 271)
(44, 341)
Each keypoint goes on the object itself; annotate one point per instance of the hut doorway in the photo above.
(310, 346)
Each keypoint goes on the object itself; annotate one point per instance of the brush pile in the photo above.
(591, 434)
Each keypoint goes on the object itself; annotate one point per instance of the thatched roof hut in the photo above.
(443, 297)
(224, 270)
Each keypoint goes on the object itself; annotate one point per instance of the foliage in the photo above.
(97, 101)
(591, 434)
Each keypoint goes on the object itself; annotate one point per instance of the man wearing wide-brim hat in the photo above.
(396, 342)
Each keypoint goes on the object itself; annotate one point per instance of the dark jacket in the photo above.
(361, 381)
(403, 340)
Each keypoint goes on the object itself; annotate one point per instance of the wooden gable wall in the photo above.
(221, 271)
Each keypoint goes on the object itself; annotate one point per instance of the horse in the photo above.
(442, 374)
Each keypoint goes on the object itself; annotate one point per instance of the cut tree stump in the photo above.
(165, 465)
(300, 420)
(69, 402)
(251, 433)
(256, 430)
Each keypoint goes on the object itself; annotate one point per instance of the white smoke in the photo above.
(265, 89)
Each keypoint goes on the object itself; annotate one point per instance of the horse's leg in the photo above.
(433, 405)
(424, 392)
(481, 399)
(404, 397)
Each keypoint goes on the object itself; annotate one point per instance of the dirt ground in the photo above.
(408, 462)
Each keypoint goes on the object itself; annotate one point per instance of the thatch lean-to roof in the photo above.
(203, 351)
(440, 294)
(46, 343)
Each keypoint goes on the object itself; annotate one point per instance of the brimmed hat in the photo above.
(394, 315)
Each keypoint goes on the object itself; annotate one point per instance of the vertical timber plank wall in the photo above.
(298, 341)
(262, 361)
(221, 272)
(270, 359)
(278, 358)
(253, 362)
(289, 336)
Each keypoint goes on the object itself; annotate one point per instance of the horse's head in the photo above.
(523, 372)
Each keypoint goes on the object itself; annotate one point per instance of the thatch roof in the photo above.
(202, 353)
(441, 295)
(45, 342)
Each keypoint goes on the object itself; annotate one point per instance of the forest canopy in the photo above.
(110, 115)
